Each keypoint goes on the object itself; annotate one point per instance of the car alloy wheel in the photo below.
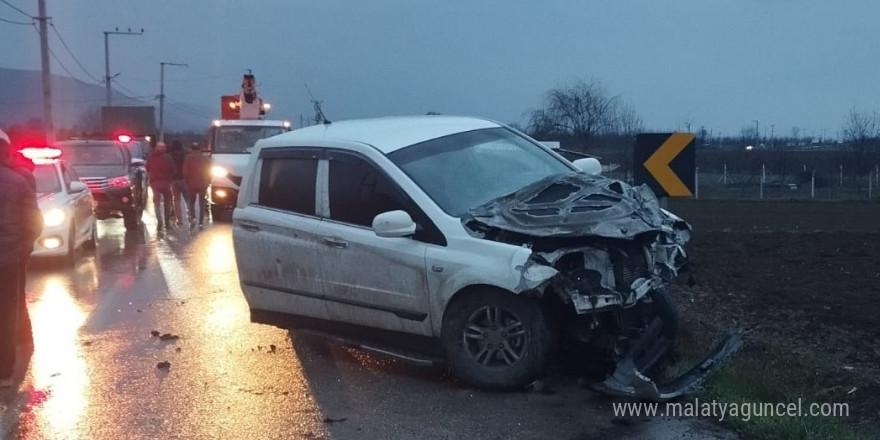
(495, 336)
(495, 339)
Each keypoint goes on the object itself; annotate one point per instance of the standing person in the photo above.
(160, 169)
(25, 168)
(178, 187)
(197, 175)
(18, 216)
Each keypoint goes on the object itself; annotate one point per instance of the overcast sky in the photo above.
(721, 64)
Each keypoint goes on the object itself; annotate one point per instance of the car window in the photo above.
(465, 170)
(67, 175)
(95, 154)
(289, 184)
(70, 172)
(240, 139)
(358, 191)
(46, 179)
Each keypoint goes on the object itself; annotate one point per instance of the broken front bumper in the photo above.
(630, 380)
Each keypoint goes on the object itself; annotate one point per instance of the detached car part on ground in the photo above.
(464, 240)
(607, 250)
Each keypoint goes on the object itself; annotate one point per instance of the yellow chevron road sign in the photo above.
(666, 162)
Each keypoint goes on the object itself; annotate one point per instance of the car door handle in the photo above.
(335, 242)
(250, 227)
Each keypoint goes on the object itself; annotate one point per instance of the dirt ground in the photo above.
(802, 278)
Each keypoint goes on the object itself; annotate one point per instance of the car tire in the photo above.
(496, 340)
(132, 218)
(221, 214)
(92, 243)
(70, 258)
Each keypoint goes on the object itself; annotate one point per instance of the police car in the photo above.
(67, 205)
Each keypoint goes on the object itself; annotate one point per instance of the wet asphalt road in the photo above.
(93, 372)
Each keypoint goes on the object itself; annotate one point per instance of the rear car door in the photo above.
(369, 280)
(275, 235)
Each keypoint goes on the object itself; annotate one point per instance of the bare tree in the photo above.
(862, 132)
(579, 112)
(627, 123)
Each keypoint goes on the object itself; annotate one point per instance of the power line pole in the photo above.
(757, 134)
(48, 124)
(162, 65)
(772, 136)
(107, 76)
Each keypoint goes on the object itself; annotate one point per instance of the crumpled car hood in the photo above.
(574, 205)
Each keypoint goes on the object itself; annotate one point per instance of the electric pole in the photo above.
(772, 137)
(107, 76)
(757, 134)
(48, 125)
(162, 65)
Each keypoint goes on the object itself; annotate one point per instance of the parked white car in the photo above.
(459, 239)
(68, 208)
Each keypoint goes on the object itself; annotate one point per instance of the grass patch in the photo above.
(763, 373)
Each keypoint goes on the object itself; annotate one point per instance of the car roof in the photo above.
(86, 142)
(386, 134)
(250, 122)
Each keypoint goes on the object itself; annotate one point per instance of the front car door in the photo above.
(275, 235)
(369, 280)
(83, 210)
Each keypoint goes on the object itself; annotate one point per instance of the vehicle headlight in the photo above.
(53, 217)
(218, 171)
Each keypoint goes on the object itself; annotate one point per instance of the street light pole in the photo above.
(107, 76)
(162, 65)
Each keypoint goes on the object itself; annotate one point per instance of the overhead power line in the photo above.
(126, 90)
(63, 43)
(16, 8)
(55, 57)
(15, 22)
(190, 109)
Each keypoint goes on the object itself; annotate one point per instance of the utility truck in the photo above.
(230, 141)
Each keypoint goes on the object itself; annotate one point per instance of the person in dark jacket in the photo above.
(160, 168)
(178, 187)
(25, 167)
(197, 175)
(19, 217)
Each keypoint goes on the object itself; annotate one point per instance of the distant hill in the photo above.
(77, 104)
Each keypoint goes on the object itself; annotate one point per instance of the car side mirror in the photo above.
(77, 186)
(589, 165)
(394, 224)
(137, 162)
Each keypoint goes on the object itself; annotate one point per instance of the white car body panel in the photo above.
(78, 207)
(378, 295)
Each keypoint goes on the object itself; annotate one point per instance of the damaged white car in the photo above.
(460, 240)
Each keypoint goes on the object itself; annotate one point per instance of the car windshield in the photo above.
(93, 154)
(47, 179)
(239, 139)
(465, 170)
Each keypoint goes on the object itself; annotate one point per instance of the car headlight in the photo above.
(218, 171)
(53, 217)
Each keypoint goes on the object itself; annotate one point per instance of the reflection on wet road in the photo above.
(93, 373)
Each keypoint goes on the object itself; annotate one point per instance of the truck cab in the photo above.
(230, 142)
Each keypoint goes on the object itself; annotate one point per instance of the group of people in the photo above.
(175, 176)
(20, 224)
